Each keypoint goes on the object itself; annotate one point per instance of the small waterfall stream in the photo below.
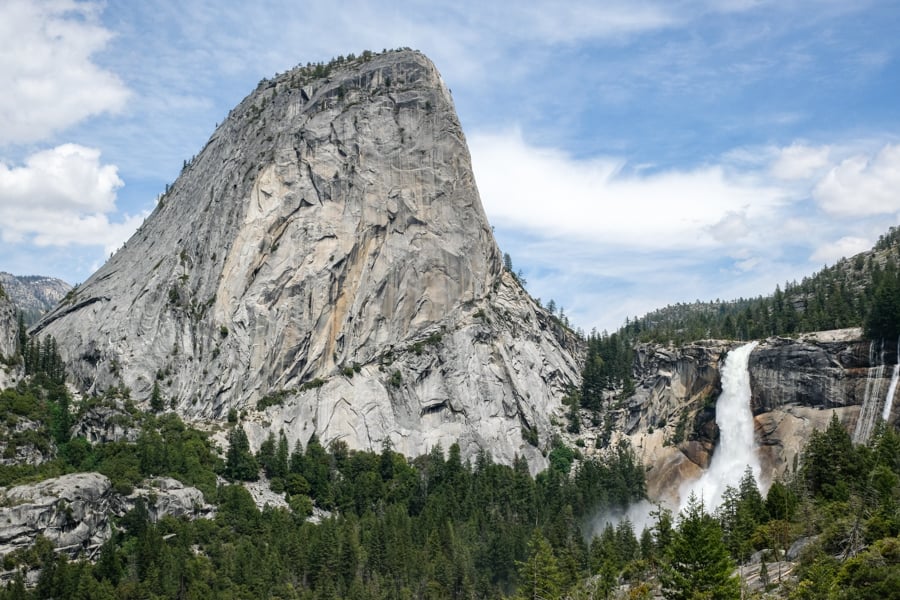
(737, 445)
(868, 413)
(889, 399)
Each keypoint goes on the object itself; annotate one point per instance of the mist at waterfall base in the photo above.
(735, 452)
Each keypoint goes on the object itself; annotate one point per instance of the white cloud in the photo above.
(60, 197)
(830, 253)
(799, 161)
(607, 241)
(68, 177)
(544, 190)
(862, 185)
(50, 82)
(569, 21)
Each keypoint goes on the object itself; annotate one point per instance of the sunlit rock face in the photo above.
(10, 368)
(9, 328)
(33, 295)
(796, 385)
(74, 512)
(327, 251)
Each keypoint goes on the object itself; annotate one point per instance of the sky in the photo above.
(629, 154)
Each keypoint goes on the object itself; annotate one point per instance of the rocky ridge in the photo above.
(326, 260)
(34, 295)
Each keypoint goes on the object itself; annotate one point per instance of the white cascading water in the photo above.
(889, 399)
(737, 445)
(868, 413)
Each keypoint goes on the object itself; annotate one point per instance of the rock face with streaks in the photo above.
(73, 511)
(796, 385)
(34, 295)
(327, 253)
(10, 367)
(9, 328)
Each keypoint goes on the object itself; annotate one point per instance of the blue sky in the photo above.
(629, 154)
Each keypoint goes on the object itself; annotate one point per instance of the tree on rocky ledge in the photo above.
(240, 464)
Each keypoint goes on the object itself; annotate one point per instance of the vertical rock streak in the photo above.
(889, 399)
(737, 446)
(869, 411)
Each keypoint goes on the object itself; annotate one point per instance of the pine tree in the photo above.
(539, 575)
(698, 564)
(156, 399)
(266, 455)
(281, 456)
(23, 333)
(240, 464)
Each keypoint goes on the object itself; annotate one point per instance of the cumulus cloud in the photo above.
(50, 81)
(799, 161)
(622, 241)
(68, 177)
(60, 197)
(862, 185)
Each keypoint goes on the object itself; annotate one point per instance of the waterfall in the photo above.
(869, 411)
(737, 445)
(889, 399)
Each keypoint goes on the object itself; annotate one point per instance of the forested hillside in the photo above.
(440, 527)
(435, 526)
(862, 291)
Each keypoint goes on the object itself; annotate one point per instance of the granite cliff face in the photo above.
(327, 253)
(74, 511)
(796, 385)
(34, 295)
(9, 328)
(10, 369)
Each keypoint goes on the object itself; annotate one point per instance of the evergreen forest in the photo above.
(361, 524)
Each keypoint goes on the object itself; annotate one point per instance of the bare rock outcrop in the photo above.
(10, 369)
(796, 385)
(107, 422)
(74, 511)
(327, 249)
(670, 419)
(164, 496)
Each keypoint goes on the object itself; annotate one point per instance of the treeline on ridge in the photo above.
(862, 291)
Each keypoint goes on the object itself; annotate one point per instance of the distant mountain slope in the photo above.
(861, 291)
(34, 295)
